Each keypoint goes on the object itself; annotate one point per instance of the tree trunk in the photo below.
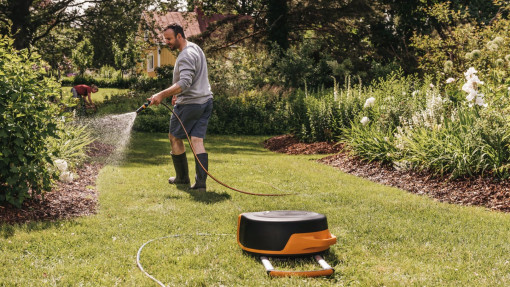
(18, 12)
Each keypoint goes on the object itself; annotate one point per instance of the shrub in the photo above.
(112, 82)
(154, 119)
(28, 120)
(256, 113)
(162, 81)
(253, 113)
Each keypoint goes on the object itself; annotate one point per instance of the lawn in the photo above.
(386, 236)
(100, 95)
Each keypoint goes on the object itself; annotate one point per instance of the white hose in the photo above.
(169, 236)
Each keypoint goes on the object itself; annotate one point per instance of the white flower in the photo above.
(61, 165)
(471, 71)
(509, 89)
(474, 80)
(66, 176)
(431, 85)
(414, 93)
(450, 80)
(471, 96)
(479, 100)
(364, 121)
(369, 102)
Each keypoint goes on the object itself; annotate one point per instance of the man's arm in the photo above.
(166, 93)
(90, 99)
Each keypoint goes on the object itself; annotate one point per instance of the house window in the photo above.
(150, 62)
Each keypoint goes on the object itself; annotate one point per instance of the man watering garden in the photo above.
(193, 102)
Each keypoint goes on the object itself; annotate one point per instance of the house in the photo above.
(158, 55)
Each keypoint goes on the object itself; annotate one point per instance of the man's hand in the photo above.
(155, 99)
(174, 99)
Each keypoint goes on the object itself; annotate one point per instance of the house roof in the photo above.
(193, 23)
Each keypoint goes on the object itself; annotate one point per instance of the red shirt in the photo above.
(83, 90)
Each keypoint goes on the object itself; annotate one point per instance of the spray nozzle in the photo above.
(142, 107)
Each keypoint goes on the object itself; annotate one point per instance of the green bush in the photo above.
(107, 82)
(28, 119)
(163, 80)
(253, 113)
(153, 119)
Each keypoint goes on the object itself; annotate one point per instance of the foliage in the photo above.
(122, 103)
(465, 44)
(83, 55)
(472, 142)
(109, 72)
(303, 65)
(117, 23)
(57, 49)
(163, 80)
(70, 143)
(28, 120)
(154, 119)
(127, 57)
(370, 142)
(101, 82)
(439, 130)
(253, 113)
(320, 119)
(243, 70)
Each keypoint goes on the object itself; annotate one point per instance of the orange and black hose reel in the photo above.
(286, 233)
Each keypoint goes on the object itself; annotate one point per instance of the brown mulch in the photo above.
(470, 191)
(66, 200)
(290, 145)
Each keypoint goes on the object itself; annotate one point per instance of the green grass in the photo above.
(386, 236)
(100, 95)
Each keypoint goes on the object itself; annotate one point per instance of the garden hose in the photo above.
(164, 237)
(144, 106)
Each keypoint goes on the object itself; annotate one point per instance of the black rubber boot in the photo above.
(181, 170)
(201, 175)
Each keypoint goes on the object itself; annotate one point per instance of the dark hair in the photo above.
(177, 29)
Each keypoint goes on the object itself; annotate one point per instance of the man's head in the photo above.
(94, 88)
(174, 36)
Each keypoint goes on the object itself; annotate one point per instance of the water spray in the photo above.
(144, 106)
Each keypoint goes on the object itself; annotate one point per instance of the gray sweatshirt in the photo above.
(190, 73)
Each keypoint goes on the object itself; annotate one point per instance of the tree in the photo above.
(278, 31)
(116, 22)
(58, 46)
(126, 58)
(30, 21)
(83, 55)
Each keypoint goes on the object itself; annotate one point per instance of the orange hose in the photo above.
(214, 178)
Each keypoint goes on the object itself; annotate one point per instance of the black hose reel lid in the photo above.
(268, 232)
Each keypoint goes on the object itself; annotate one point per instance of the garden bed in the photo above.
(66, 200)
(470, 191)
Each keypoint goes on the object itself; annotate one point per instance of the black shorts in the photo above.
(195, 118)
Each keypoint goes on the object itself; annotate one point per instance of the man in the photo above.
(85, 92)
(193, 101)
